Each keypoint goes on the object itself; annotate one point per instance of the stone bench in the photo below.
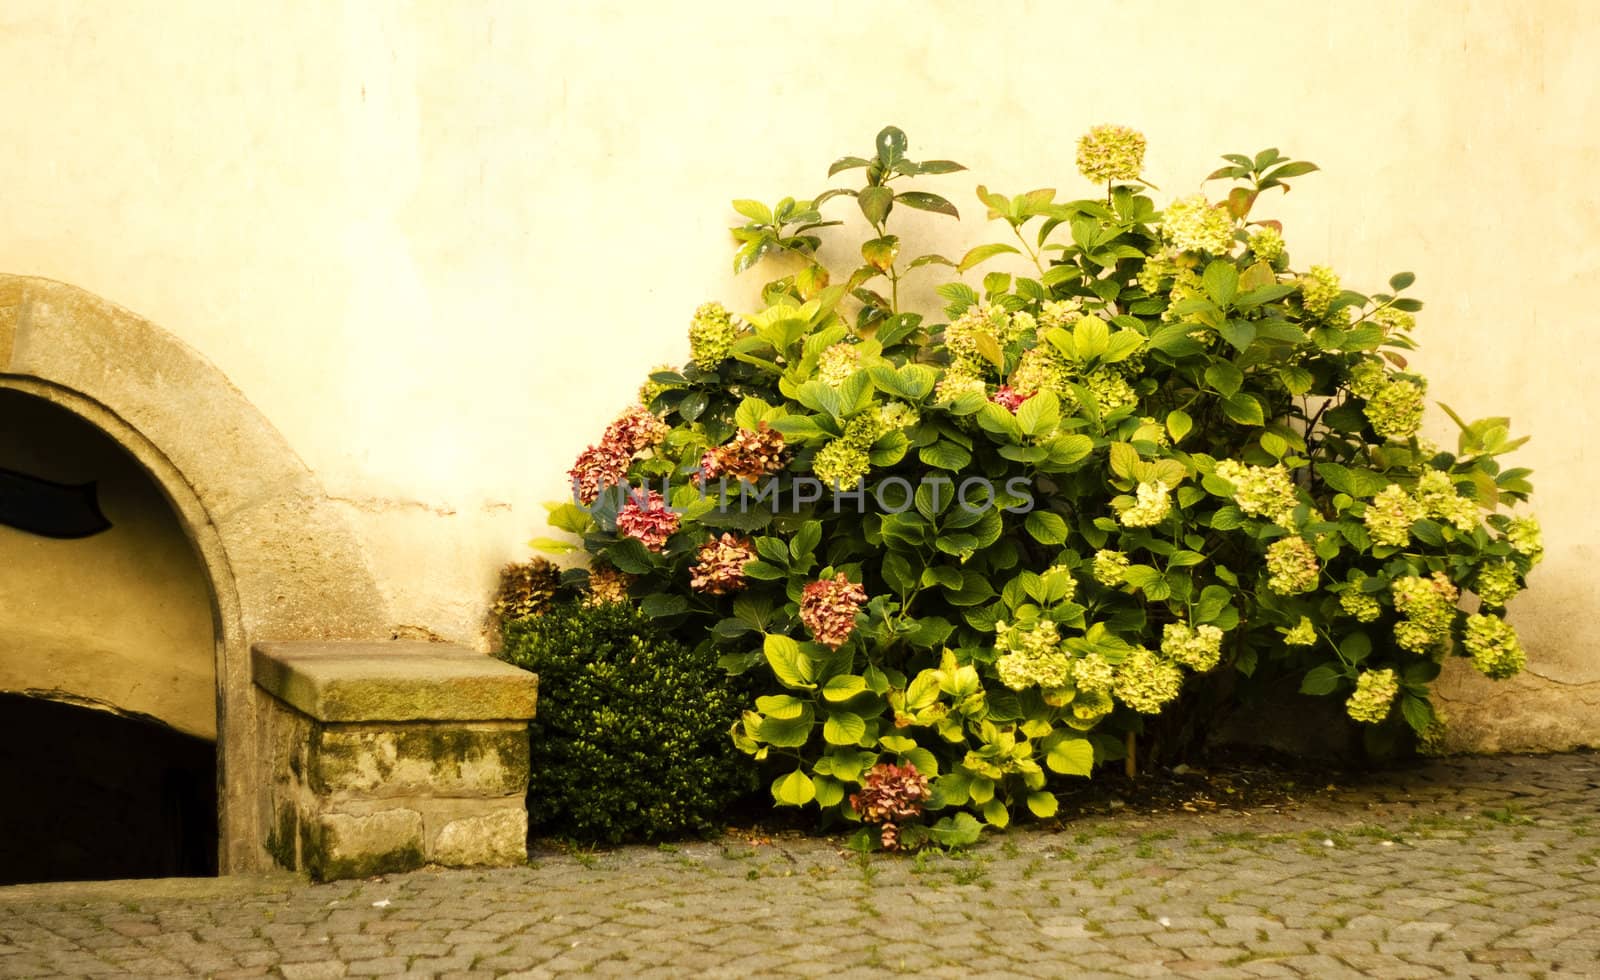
(379, 757)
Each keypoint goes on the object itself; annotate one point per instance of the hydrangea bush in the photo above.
(1159, 457)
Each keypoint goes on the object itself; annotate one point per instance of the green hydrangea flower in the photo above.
(1107, 153)
(1493, 646)
(1429, 605)
(838, 362)
(1436, 492)
(1267, 244)
(896, 415)
(1061, 313)
(1110, 389)
(1367, 377)
(1261, 491)
(1497, 583)
(862, 430)
(1031, 655)
(650, 389)
(1396, 410)
(839, 464)
(958, 380)
(1042, 368)
(1151, 507)
(1109, 567)
(1304, 634)
(1390, 515)
(1374, 696)
(1392, 321)
(1198, 648)
(1525, 535)
(1192, 224)
(1318, 289)
(1093, 673)
(1364, 606)
(711, 335)
(1145, 682)
(1292, 566)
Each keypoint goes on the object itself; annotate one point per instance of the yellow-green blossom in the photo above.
(1392, 321)
(1374, 696)
(1396, 410)
(1022, 323)
(1318, 289)
(1092, 672)
(1109, 567)
(1493, 646)
(1192, 224)
(1436, 492)
(838, 362)
(1265, 491)
(1267, 244)
(1198, 648)
(977, 327)
(1042, 368)
(1364, 606)
(711, 335)
(1525, 535)
(958, 380)
(839, 464)
(1152, 506)
(1497, 583)
(1293, 565)
(1111, 390)
(1031, 654)
(1429, 605)
(1145, 682)
(896, 415)
(1367, 377)
(862, 430)
(1107, 153)
(1390, 515)
(1304, 634)
(1060, 313)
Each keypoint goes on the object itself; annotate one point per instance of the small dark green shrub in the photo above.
(631, 739)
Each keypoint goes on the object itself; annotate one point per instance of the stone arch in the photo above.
(282, 563)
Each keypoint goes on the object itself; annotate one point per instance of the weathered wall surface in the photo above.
(120, 620)
(438, 244)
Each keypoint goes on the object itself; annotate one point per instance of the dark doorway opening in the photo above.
(87, 794)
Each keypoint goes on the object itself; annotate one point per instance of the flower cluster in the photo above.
(1493, 645)
(1145, 682)
(1367, 377)
(1393, 321)
(959, 380)
(1497, 583)
(1373, 696)
(1436, 492)
(526, 589)
(1429, 606)
(646, 517)
(1192, 224)
(1062, 313)
(1364, 606)
(1396, 410)
(751, 455)
(1318, 289)
(1093, 673)
(607, 586)
(838, 362)
(893, 416)
(839, 464)
(889, 795)
(1302, 634)
(1198, 648)
(1267, 244)
(719, 565)
(597, 468)
(1152, 506)
(1009, 398)
(1525, 536)
(1110, 567)
(828, 609)
(977, 328)
(1261, 491)
(1031, 654)
(1107, 153)
(1292, 564)
(1390, 515)
(711, 335)
(651, 388)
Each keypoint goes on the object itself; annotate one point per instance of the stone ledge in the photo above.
(397, 680)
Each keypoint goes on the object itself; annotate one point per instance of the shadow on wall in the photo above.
(85, 794)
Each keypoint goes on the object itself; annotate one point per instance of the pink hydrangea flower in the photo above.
(890, 794)
(598, 467)
(751, 455)
(652, 523)
(719, 569)
(1009, 398)
(828, 609)
(635, 430)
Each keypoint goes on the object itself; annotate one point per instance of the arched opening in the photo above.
(108, 653)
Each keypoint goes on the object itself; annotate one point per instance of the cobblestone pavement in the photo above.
(1457, 868)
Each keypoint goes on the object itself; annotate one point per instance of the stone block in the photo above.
(494, 839)
(344, 845)
(359, 681)
(413, 760)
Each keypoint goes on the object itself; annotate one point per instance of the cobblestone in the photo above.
(1471, 867)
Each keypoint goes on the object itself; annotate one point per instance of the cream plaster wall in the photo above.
(438, 243)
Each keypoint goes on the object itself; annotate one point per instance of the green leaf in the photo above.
(1401, 280)
(1179, 424)
(880, 253)
(785, 707)
(1091, 336)
(1221, 280)
(923, 201)
(846, 163)
(1071, 756)
(1296, 379)
(1321, 680)
(1225, 378)
(842, 687)
(891, 145)
(941, 166)
(693, 406)
(1417, 711)
(945, 455)
(1043, 804)
(1039, 414)
(1045, 527)
(983, 253)
(658, 606)
(843, 728)
(875, 204)
(791, 665)
(959, 830)
(1239, 333)
(787, 733)
(1243, 409)
(795, 789)
(754, 210)
(996, 814)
